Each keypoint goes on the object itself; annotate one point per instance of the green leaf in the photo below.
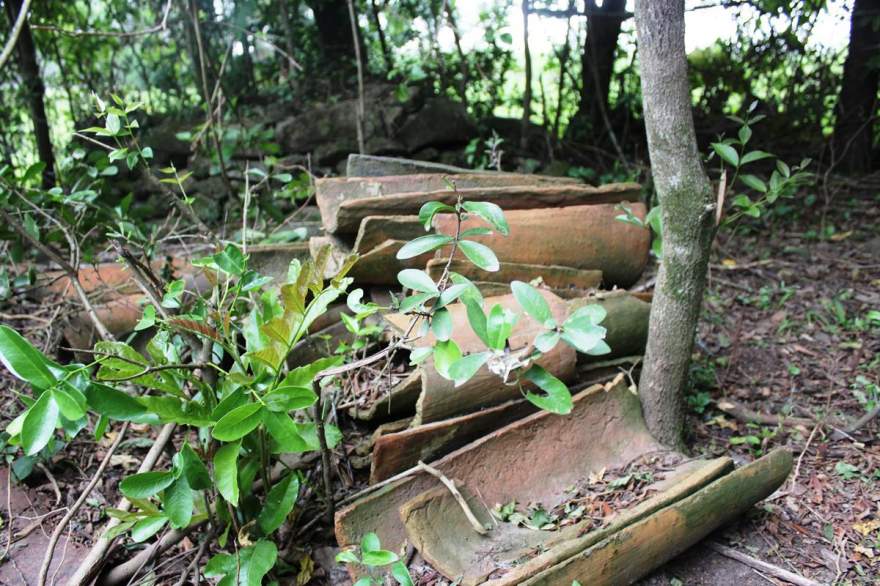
(490, 212)
(557, 398)
(379, 557)
(476, 318)
(231, 260)
(594, 313)
(238, 423)
(370, 542)
(148, 320)
(534, 304)
(441, 324)
(417, 281)
(414, 301)
(174, 410)
(546, 341)
(226, 472)
(178, 503)
(146, 528)
(753, 156)
(727, 153)
(303, 376)
(173, 292)
(754, 182)
(742, 201)
(24, 361)
(145, 484)
(286, 434)
(471, 232)
(582, 336)
(745, 133)
(422, 244)
(279, 503)
(220, 565)
(480, 254)
(419, 355)
(112, 124)
(194, 469)
(39, 424)
(499, 326)
(445, 354)
(113, 403)
(347, 556)
(286, 398)
(72, 407)
(256, 561)
(463, 369)
(430, 209)
(450, 294)
(400, 573)
(117, 154)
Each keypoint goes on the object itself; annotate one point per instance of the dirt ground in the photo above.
(788, 333)
(789, 337)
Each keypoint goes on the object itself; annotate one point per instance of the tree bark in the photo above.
(527, 92)
(29, 70)
(597, 66)
(688, 210)
(857, 105)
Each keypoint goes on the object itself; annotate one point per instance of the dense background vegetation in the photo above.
(267, 67)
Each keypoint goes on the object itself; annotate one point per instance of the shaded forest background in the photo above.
(274, 83)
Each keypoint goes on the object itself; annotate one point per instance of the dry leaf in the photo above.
(867, 527)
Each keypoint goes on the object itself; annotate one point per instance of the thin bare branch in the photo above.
(16, 30)
(161, 26)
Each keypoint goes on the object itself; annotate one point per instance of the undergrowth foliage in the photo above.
(216, 365)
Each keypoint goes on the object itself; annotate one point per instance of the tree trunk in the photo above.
(527, 92)
(688, 206)
(334, 37)
(29, 70)
(383, 43)
(597, 66)
(853, 136)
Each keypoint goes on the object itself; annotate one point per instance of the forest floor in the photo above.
(787, 337)
(788, 333)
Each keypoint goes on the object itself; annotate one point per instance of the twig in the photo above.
(9, 522)
(800, 459)
(757, 564)
(125, 571)
(181, 206)
(450, 484)
(72, 273)
(193, 565)
(863, 420)
(16, 30)
(163, 24)
(92, 561)
(161, 367)
(52, 481)
(325, 456)
(215, 138)
(746, 415)
(59, 529)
